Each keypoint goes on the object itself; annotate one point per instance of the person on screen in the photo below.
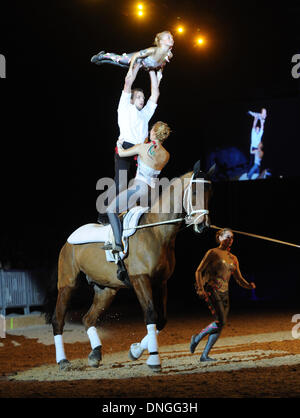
(212, 280)
(256, 141)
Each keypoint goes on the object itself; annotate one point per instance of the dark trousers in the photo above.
(124, 164)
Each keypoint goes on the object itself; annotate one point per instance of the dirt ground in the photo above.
(257, 357)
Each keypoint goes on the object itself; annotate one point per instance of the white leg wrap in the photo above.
(59, 348)
(153, 359)
(94, 338)
(144, 342)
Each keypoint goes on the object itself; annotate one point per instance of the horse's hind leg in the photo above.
(143, 290)
(67, 274)
(102, 299)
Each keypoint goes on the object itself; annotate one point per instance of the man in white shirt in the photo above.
(133, 120)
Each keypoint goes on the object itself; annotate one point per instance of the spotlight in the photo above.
(180, 29)
(200, 41)
(140, 8)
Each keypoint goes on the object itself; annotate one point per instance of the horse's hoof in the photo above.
(95, 357)
(135, 351)
(64, 365)
(155, 368)
(154, 362)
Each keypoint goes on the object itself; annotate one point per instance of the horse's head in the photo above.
(197, 190)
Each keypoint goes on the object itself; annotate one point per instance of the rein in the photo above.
(171, 221)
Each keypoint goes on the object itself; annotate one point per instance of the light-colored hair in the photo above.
(161, 131)
(159, 35)
(221, 232)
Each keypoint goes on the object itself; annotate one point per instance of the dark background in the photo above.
(59, 125)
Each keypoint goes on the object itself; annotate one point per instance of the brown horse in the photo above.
(150, 263)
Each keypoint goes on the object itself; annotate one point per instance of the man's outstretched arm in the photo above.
(130, 77)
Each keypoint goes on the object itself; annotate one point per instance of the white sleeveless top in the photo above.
(146, 173)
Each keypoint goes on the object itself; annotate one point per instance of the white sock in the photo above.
(59, 348)
(94, 338)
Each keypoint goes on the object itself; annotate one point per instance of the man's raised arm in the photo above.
(155, 78)
(130, 77)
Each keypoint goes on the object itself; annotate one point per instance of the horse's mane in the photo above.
(168, 193)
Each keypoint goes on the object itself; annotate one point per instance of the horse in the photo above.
(149, 263)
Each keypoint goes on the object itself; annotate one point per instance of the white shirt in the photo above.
(133, 123)
(256, 137)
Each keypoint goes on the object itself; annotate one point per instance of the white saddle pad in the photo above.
(98, 233)
(89, 233)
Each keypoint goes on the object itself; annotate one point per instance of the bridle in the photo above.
(190, 211)
(188, 195)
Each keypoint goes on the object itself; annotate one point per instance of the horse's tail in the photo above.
(51, 296)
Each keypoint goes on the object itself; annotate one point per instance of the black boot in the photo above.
(210, 342)
(103, 219)
(117, 230)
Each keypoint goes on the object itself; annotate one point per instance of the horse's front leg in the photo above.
(143, 290)
(159, 293)
(102, 300)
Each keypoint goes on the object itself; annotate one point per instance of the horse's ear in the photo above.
(211, 171)
(196, 168)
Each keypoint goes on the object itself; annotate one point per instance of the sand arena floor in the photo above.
(257, 357)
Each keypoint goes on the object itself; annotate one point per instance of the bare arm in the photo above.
(255, 122)
(130, 77)
(135, 150)
(240, 279)
(155, 81)
(198, 274)
(140, 54)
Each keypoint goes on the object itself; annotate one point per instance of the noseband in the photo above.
(190, 211)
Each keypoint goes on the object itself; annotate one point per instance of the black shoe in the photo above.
(193, 344)
(96, 59)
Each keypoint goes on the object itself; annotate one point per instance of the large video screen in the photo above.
(254, 141)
